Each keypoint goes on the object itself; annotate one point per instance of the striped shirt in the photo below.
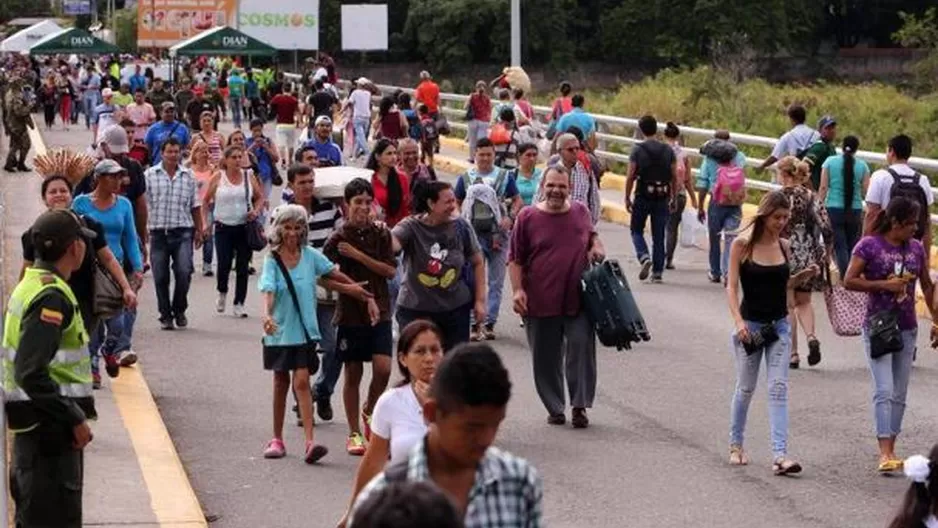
(507, 492)
(171, 201)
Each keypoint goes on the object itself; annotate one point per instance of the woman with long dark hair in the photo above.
(844, 181)
(920, 505)
(392, 189)
(390, 123)
(759, 266)
(886, 264)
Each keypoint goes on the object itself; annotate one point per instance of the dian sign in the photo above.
(78, 42)
(283, 24)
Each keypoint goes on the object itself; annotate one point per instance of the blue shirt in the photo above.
(159, 132)
(835, 191)
(326, 150)
(251, 89)
(265, 165)
(707, 176)
(527, 187)
(312, 265)
(509, 187)
(137, 81)
(235, 86)
(577, 118)
(120, 231)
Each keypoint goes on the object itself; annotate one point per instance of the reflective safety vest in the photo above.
(71, 366)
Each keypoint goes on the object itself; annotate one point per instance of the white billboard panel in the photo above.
(284, 24)
(365, 27)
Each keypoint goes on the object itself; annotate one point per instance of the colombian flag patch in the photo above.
(51, 316)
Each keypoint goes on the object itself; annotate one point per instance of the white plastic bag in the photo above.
(693, 233)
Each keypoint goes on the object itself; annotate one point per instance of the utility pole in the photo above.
(516, 32)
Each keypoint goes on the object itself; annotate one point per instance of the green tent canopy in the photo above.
(222, 41)
(72, 41)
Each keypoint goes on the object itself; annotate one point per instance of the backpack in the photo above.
(480, 195)
(430, 132)
(730, 186)
(414, 129)
(908, 186)
(499, 134)
(654, 180)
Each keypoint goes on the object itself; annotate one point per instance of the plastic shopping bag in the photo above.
(693, 232)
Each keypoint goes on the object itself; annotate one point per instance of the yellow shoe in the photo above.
(889, 465)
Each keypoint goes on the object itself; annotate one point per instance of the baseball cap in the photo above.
(826, 121)
(362, 81)
(167, 105)
(55, 230)
(108, 166)
(107, 92)
(115, 137)
(323, 119)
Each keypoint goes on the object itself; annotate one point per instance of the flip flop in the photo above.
(783, 466)
(738, 457)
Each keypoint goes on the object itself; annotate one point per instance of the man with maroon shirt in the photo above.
(287, 109)
(552, 244)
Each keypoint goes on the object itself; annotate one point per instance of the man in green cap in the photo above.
(17, 113)
(47, 378)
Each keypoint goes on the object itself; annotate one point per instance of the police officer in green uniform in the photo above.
(47, 378)
(18, 117)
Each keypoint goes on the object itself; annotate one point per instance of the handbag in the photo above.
(108, 294)
(467, 273)
(257, 240)
(884, 333)
(275, 178)
(311, 346)
(846, 309)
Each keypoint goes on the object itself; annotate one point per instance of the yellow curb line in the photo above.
(172, 498)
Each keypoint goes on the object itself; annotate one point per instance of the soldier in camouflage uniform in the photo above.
(17, 119)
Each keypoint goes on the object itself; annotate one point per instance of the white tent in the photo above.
(24, 39)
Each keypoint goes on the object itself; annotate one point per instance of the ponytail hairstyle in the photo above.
(921, 499)
(799, 171)
(671, 131)
(850, 146)
(395, 190)
(771, 202)
(899, 211)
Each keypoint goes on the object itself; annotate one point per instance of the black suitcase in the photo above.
(609, 303)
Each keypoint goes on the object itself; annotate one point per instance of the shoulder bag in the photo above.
(884, 333)
(310, 346)
(845, 308)
(257, 240)
(108, 294)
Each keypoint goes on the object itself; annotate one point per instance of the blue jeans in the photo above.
(891, 374)
(658, 210)
(331, 367)
(777, 356)
(126, 337)
(725, 219)
(847, 231)
(497, 262)
(171, 250)
(76, 109)
(394, 287)
(89, 101)
(208, 245)
(104, 339)
(235, 104)
(361, 125)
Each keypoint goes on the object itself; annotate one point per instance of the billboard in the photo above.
(162, 23)
(365, 27)
(76, 7)
(283, 24)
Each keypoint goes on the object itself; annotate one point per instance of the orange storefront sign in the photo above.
(162, 23)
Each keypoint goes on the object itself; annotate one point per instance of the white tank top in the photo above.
(231, 205)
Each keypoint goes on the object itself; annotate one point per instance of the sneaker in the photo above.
(166, 323)
(646, 269)
(220, 302)
(669, 265)
(476, 334)
(314, 453)
(182, 321)
(355, 444)
(275, 449)
(252, 270)
(488, 332)
(239, 311)
(324, 409)
(112, 365)
(714, 278)
(579, 419)
(96, 381)
(207, 270)
(556, 419)
(366, 422)
(127, 358)
(657, 279)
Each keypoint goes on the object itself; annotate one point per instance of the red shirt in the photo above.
(428, 93)
(481, 107)
(382, 199)
(285, 106)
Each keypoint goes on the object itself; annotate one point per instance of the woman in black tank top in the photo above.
(759, 264)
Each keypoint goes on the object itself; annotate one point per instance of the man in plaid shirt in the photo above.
(490, 487)
(583, 186)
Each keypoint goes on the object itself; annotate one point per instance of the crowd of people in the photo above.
(405, 268)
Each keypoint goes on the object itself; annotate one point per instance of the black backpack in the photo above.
(909, 186)
(654, 181)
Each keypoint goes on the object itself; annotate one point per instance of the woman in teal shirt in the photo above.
(529, 177)
(844, 180)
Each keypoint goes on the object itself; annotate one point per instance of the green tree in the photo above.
(125, 29)
(921, 32)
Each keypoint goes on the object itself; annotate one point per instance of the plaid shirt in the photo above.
(507, 492)
(171, 200)
(583, 188)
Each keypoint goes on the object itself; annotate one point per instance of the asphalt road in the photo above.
(654, 456)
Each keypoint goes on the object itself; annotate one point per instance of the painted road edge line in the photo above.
(172, 498)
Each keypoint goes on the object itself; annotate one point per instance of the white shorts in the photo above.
(286, 136)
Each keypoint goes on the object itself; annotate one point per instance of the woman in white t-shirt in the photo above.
(397, 423)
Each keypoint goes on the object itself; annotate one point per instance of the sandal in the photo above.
(795, 361)
(738, 457)
(784, 466)
(814, 351)
(889, 465)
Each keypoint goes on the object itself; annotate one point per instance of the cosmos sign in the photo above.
(284, 24)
